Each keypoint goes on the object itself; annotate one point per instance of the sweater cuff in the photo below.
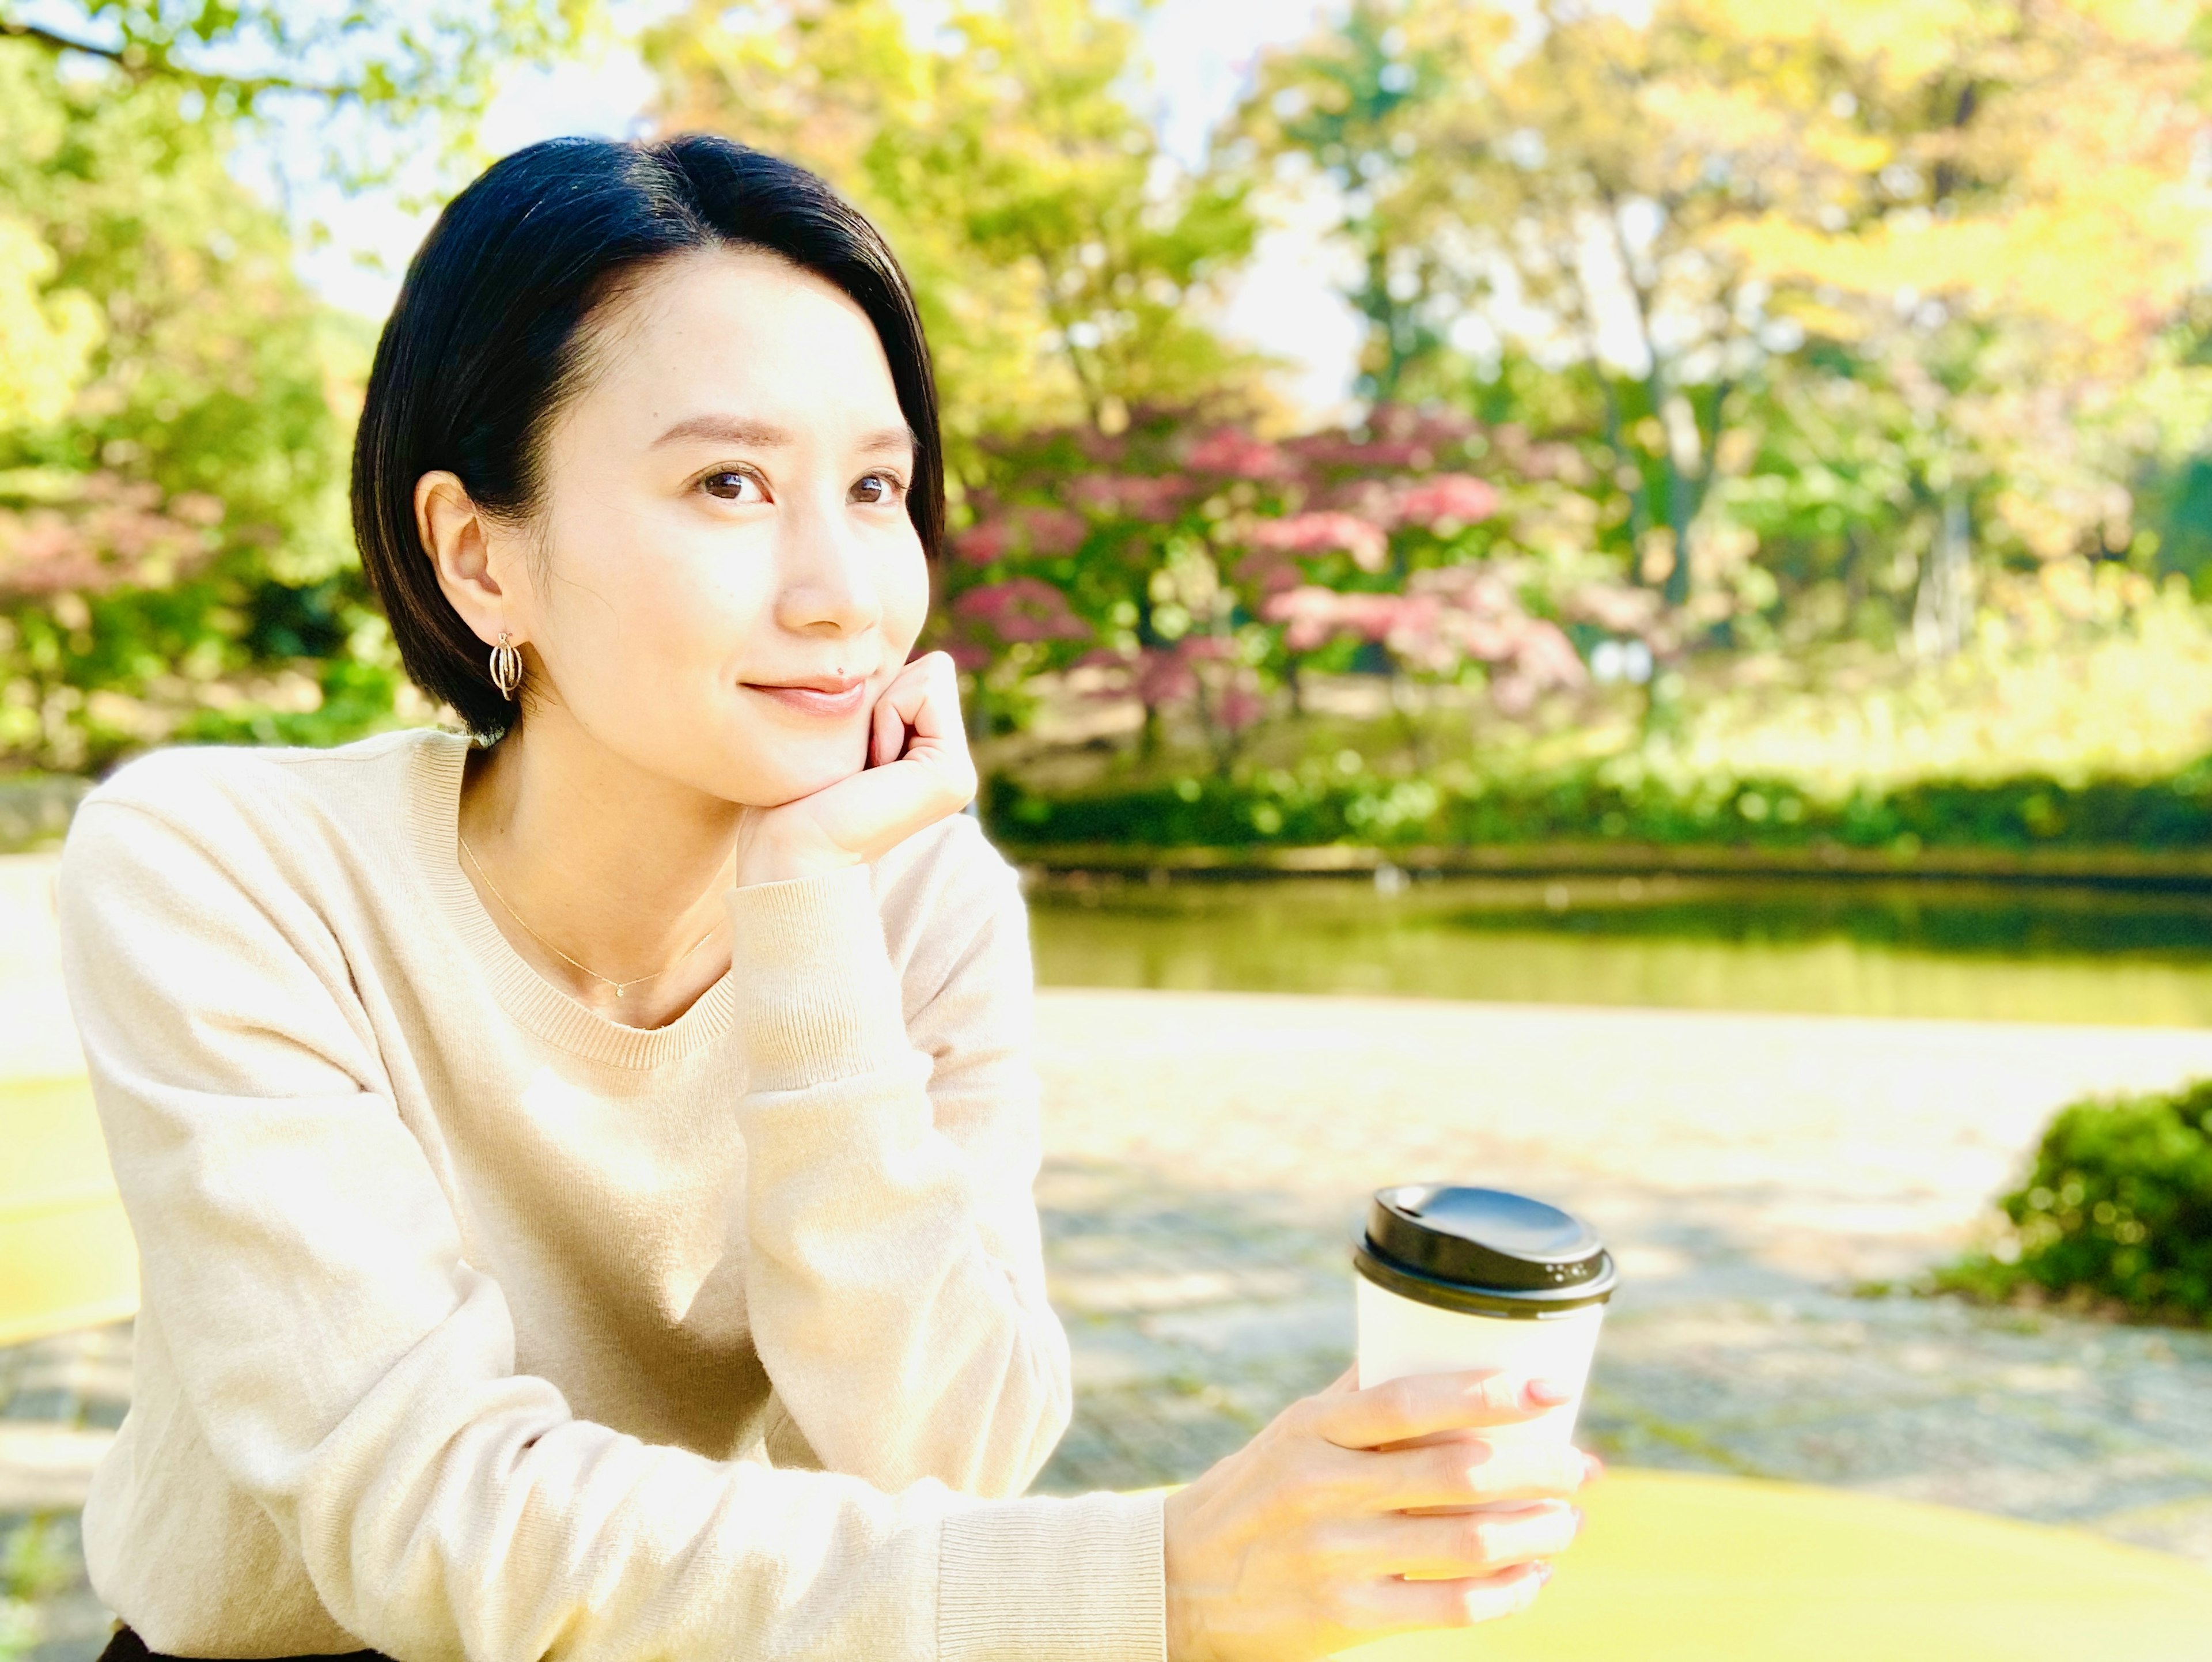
(1043, 1579)
(816, 997)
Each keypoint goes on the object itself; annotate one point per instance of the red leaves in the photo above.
(1134, 496)
(1444, 618)
(1230, 530)
(1198, 668)
(1325, 532)
(1051, 532)
(1446, 501)
(987, 543)
(116, 534)
(1238, 454)
(1022, 609)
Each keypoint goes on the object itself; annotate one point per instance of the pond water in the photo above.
(1959, 951)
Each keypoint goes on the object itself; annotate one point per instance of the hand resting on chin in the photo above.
(918, 771)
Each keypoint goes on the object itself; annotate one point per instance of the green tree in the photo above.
(175, 408)
(171, 483)
(1539, 173)
(424, 64)
(1986, 211)
(1064, 265)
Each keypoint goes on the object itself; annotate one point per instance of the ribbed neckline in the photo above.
(434, 807)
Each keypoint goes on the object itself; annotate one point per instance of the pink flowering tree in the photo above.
(1192, 564)
(113, 534)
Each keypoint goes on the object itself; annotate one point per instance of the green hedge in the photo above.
(2118, 1210)
(1320, 805)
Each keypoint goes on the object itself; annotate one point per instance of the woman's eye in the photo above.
(729, 486)
(872, 488)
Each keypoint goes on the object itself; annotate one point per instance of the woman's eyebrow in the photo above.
(766, 435)
(889, 442)
(726, 429)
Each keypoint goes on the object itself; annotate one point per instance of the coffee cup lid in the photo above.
(1483, 1250)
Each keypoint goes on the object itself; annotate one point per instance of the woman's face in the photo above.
(722, 576)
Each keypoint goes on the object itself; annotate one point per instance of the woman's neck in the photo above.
(598, 872)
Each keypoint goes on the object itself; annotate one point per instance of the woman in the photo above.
(582, 1178)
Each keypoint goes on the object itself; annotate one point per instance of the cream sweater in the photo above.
(477, 1325)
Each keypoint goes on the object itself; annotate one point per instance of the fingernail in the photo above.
(1594, 1467)
(1549, 1392)
(1576, 1513)
(1543, 1573)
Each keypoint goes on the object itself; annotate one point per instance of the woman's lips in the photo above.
(828, 699)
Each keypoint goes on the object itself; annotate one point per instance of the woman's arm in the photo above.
(895, 1280)
(354, 1375)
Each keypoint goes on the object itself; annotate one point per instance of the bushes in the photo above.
(2116, 1211)
(1327, 803)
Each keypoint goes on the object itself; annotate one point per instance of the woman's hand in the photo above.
(1294, 1546)
(918, 772)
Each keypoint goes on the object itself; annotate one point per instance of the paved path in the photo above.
(1207, 1154)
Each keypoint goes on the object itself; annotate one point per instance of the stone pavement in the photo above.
(60, 1401)
(1207, 1155)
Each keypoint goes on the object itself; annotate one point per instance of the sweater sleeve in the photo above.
(894, 1277)
(352, 1372)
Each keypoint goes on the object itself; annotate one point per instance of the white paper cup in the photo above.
(1450, 1277)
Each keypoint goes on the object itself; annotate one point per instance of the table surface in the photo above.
(67, 1260)
(1676, 1566)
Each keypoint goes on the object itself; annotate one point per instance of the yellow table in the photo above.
(1676, 1567)
(66, 1256)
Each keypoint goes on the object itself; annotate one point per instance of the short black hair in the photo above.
(487, 341)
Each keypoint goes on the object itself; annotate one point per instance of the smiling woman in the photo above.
(581, 1171)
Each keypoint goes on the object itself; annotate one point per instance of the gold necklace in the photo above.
(508, 906)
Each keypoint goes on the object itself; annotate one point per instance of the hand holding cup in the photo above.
(1308, 1539)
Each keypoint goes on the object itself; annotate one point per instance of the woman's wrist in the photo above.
(1183, 1631)
(781, 856)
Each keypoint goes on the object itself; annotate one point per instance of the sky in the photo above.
(1286, 304)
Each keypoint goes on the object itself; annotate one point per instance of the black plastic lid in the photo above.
(1482, 1250)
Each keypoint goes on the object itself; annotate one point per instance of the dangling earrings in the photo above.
(505, 667)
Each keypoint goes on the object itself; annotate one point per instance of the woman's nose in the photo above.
(828, 578)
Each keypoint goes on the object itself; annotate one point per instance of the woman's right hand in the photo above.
(1295, 1546)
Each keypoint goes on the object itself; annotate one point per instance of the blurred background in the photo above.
(1657, 556)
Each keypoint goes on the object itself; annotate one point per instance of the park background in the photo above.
(1657, 556)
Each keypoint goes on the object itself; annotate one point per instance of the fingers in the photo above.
(897, 706)
(886, 732)
(1473, 1473)
(1458, 1604)
(1420, 1403)
(1460, 1543)
(936, 715)
(921, 704)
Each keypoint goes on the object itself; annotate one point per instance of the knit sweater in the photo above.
(475, 1324)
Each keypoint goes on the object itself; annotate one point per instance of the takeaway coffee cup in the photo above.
(1451, 1277)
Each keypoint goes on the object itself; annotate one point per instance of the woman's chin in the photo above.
(790, 778)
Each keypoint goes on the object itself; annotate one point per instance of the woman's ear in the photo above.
(454, 531)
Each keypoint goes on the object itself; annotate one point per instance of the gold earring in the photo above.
(505, 667)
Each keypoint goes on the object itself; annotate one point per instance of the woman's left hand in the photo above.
(919, 771)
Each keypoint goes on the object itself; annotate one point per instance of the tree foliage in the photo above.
(1065, 265)
(174, 407)
(1699, 336)
(172, 465)
(1950, 243)
(1188, 564)
(422, 65)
